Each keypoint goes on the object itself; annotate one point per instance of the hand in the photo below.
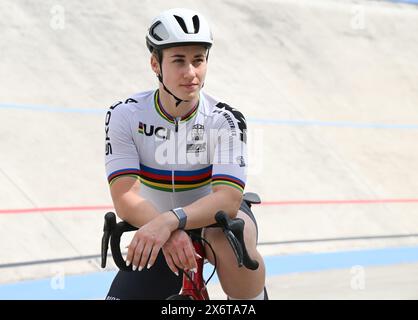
(179, 252)
(146, 242)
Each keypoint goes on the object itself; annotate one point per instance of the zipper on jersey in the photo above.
(172, 181)
(176, 124)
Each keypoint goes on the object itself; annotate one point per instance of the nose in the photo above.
(190, 71)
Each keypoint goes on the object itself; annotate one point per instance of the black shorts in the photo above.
(247, 210)
(156, 283)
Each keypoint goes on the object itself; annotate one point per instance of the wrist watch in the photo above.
(181, 215)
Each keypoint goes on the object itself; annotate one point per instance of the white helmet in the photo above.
(178, 27)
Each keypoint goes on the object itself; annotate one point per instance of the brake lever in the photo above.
(108, 227)
(226, 224)
(235, 246)
(236, 235)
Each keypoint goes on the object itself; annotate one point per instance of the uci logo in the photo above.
(159, 132)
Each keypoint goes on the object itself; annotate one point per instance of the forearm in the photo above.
(202, 212)
(135, 210)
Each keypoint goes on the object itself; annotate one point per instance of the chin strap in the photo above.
(178, 100)
(160, 78)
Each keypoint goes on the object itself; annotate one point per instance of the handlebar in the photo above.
(232, 228)
(113, 231)
(234, 232)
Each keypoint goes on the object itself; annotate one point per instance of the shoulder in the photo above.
(122, 116)
(127, 107)
(135, 102)
(229, 112)
(223, 113)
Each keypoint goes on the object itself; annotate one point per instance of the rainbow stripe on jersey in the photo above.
(130, 172)
(225, 179)
(183, 180)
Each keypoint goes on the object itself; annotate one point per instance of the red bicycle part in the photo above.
(193, 283)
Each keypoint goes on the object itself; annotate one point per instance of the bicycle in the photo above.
(194, 287)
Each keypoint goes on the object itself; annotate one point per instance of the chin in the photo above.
(191, 95)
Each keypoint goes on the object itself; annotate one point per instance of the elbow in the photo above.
(235, 207)
(123, 205)
(119, 210)
(229, 200)
(234, 203)
(124, 192)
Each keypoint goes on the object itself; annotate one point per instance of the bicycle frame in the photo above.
(194, 285)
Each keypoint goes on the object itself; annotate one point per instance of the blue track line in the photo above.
(274, 122)
(404, 1)
(95, 285)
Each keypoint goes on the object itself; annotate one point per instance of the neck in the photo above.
(168, 102)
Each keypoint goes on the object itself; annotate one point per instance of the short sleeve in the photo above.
(121, 155)
(230, 155)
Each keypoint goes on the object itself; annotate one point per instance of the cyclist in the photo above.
(174, 157)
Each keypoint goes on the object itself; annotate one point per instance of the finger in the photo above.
(137, 255)
(154, 254)
(131, 250)
(170, 262)
(190, 256)
(176, 260)
(145, 255)
(183, 259)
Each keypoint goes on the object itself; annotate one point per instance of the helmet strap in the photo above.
(160, 78)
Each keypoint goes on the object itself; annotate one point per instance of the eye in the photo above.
(198, 61)
(178, 61)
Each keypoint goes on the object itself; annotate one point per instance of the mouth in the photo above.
(190, 86)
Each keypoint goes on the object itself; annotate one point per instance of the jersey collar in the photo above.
(164, 114)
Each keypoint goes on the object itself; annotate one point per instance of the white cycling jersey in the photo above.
(176, 159)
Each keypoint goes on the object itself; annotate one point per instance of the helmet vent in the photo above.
(158, 31)
(196, 23)
(181, 23)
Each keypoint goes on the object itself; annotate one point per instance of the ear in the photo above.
(155, 64)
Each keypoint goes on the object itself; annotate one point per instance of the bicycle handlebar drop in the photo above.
(109, 224)
(113, 232)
